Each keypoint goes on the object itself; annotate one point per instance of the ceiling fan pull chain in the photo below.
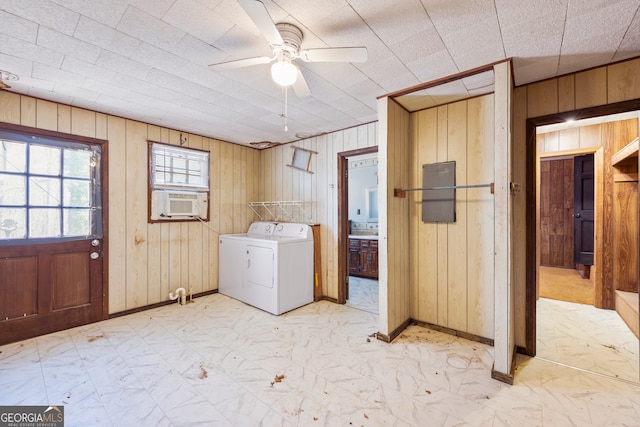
(286, 128)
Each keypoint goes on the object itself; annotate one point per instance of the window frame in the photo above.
(205, 162)
(97, 204)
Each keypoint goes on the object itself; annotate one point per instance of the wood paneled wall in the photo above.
(592, 88)
(452, 265)
(147, 261)
(394, 235)
(279, 182)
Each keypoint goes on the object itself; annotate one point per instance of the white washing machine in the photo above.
(275, 273)
(231, 257)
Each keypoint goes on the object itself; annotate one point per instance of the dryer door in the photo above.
(259, 263)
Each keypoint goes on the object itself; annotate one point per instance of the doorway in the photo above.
(52, 256)
(585, 334)
(357, 233)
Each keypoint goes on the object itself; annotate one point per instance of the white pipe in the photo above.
(180, 293)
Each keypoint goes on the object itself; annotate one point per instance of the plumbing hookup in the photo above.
(181, 296)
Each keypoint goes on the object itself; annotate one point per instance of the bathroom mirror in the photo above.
(372, 204)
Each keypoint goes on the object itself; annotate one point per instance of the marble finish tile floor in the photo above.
(363, 294)
(586, 337)
(219, 362)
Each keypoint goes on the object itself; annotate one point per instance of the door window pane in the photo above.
(13, 190)
(44, 160)
(50, 188)
(77, 164)
(44, 191)
(13, 223)
(77, 222)
(13, 156)
(76, 193)
(44, 223)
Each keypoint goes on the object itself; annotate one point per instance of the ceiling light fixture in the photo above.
(283, 71)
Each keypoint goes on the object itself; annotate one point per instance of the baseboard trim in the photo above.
(501, 376)
(454, 332)
(156, 305)
(394, 334)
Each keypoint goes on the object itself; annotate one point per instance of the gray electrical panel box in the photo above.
(439, 205)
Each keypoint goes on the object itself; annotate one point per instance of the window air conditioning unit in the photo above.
(167, 204)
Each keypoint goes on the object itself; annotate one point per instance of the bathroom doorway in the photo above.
(358, 229)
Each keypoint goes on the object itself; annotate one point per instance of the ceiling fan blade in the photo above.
(260, 16)
(239, 63)
(335, 54)
(300, 86)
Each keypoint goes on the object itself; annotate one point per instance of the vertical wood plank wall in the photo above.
(279, 182)
(146, 261)
(596, 87)
(394, 238)
(452, 271)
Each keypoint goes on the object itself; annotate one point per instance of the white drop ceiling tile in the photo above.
(479, 57)
(155, 8)
(81, 95)
(453, 88)
(121, 64)
(108, 13)
(433, 66)
(67, 45)
(239, 44)
(18, 66)
(105, 37)
(149, 29)
(157, 58)
(194, 18)
(18, 27)
(451, 16)
(195, 50)
(630, 45)
(478, 81)
(527, 70)
(45, 72)
(341, 29)
(518, 12)
(306, 12)
(78, 66)
(416, 101)
(49, 95)
(418, 45)
(22, 49)
(30, 85)
(43, 12)
(399, 21)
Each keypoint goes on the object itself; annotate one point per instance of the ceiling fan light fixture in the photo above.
(284, 73)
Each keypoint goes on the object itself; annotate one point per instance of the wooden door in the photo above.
(556, 210)
(583, 211)
(51, 232)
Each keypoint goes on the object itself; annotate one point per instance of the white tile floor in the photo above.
(586, 337)
(363, 294)
(214, 363)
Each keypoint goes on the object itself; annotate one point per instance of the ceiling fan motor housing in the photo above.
(292, 37)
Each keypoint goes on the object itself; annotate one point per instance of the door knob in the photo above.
(576, 215)
(94, 255)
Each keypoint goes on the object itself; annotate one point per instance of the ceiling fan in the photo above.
(285, 40)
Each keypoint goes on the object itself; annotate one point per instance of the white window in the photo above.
(174, 167)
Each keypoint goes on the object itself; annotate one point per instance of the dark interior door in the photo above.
(583, 209)
(51, 233)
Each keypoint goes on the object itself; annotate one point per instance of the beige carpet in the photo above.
(565, 284)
